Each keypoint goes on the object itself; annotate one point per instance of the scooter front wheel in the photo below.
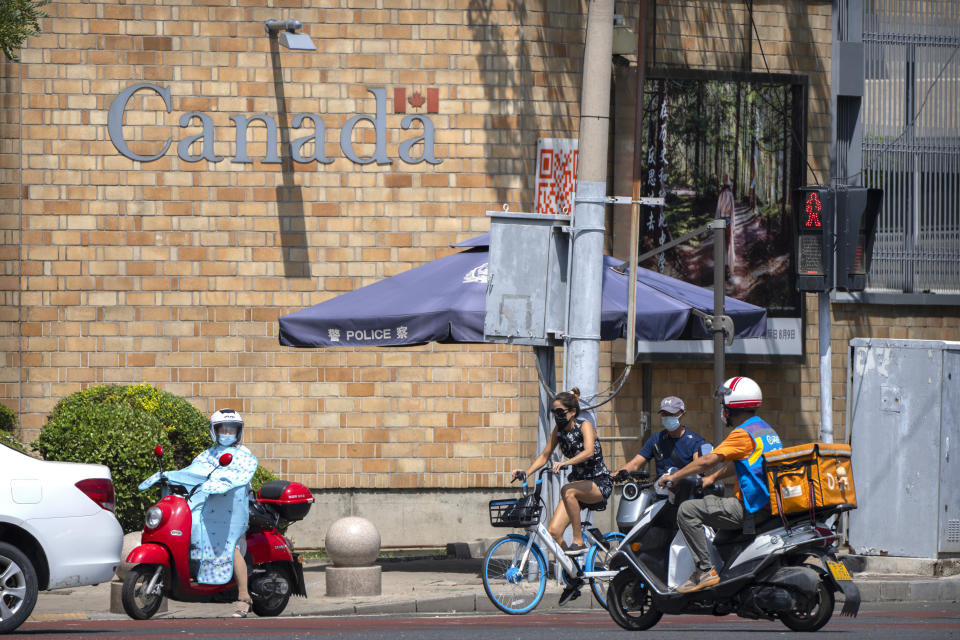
(142, 591)
(630, 602)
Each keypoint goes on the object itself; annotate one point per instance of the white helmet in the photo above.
(226, 418)
(741, 393)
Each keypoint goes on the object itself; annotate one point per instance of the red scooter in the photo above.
(162, 565)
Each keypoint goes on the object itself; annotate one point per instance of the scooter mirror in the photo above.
(705, 448)
(158, 451)
(225, 459)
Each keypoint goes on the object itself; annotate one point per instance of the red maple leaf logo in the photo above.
(416, 100)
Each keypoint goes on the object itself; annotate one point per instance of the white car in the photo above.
(57, 529)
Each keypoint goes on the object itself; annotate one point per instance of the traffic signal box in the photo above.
(857, 211)
(823, 264)
(814, 207)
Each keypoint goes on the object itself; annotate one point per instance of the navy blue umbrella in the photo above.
(445, 301)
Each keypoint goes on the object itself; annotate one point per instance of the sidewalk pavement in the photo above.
(447, 584)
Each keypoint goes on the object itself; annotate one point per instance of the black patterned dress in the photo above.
(593, 468)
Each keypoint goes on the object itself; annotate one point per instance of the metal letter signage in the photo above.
(115, 120)
(188, 152)
(379, 127)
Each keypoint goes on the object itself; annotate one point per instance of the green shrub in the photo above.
(186, 428)
(113, 434)
(261, 477)
(119, 426)
(8, 419)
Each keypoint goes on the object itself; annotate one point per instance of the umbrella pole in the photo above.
(546, 365)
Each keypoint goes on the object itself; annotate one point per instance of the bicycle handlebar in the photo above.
(523, 477)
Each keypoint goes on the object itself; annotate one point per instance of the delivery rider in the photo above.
(741, 452)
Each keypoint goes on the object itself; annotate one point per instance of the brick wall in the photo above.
(9, 232)
(174, 273)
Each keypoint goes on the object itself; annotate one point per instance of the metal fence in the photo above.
(911, 142)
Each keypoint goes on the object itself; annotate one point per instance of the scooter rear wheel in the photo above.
(139, 604)
(817, 616)
(630, 603)
(272, 604)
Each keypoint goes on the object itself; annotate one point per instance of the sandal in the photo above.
(243, 608)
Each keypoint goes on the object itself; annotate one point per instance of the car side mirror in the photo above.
(226, 459)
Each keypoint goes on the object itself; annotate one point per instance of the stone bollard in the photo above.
(353, 544)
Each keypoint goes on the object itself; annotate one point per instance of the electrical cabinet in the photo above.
(527, 279)
(903, 410)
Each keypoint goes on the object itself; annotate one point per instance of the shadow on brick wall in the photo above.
(293, 236)
(533, 84)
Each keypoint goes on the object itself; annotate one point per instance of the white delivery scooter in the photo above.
(780, 572)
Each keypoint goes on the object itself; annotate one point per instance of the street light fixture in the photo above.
(285, 31)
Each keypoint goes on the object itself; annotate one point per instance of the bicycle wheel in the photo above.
(512, 588)
(598, 559)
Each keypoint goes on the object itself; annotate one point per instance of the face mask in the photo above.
(560, 416)
(670, 423)
(226, 440)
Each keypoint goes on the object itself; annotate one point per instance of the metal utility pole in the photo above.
(582, 340)
(637, 184)
(826, 370)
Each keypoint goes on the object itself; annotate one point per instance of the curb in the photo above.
(873, 589)
(891, 589)
(56, 617)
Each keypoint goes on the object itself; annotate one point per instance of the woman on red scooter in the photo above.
(226, 429)
(220, 506)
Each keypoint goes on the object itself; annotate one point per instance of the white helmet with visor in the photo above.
(226, 427)
(741, 393)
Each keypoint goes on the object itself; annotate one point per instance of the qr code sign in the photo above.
(556, 175)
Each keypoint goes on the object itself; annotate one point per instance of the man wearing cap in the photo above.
(675, 446)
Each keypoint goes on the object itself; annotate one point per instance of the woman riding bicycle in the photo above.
(589, 484)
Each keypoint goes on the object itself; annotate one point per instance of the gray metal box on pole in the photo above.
(527, 278)
(903, 408)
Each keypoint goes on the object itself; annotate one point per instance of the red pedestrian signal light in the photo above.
(814, 258)
(811, 211)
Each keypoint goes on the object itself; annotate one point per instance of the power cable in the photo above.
(614, 388)
(781, 107)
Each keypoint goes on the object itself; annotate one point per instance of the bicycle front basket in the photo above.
(514, 512)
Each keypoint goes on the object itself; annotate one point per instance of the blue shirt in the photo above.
(685, 446)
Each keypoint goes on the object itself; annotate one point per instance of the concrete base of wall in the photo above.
(415, 518)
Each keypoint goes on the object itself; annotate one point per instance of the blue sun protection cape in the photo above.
(219, 507)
